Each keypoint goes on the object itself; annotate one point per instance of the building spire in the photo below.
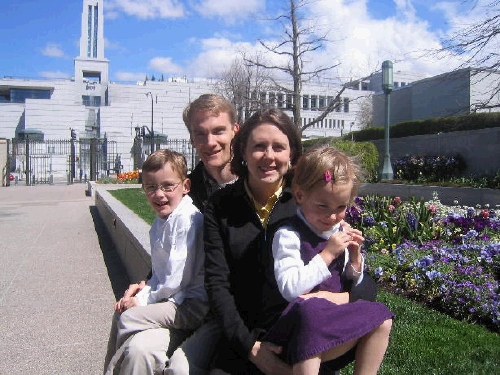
(92, 35)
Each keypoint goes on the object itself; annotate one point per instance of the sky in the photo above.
(200, 38)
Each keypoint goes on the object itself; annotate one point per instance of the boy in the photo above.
(174, 296)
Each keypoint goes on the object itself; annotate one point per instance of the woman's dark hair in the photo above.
(272, 116)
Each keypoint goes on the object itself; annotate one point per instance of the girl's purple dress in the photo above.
(308, 327)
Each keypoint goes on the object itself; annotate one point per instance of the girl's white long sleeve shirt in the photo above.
(295, 278)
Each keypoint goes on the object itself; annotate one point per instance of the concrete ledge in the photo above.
(129, 232)
(447, 195)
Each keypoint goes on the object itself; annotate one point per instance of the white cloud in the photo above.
(357, 41)
(53, 75)
(165, 65)
(145, 9)
(216, 56)
(229, 10)
(53, 50)
(130, 77)
(109, 45)
(360, 43)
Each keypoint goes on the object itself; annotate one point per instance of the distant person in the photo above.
(312, 254)
(174, 297)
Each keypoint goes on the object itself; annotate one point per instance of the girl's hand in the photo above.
(337, 243)
(354, 246)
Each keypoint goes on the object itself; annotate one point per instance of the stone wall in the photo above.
(480, 148)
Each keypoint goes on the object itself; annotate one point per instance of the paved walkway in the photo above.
(59, 275)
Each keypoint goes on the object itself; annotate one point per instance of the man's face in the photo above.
(211, 137)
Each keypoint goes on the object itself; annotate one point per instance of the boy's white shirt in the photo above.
(295, 278)
(177, 257)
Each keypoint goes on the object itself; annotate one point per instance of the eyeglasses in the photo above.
(166, 188)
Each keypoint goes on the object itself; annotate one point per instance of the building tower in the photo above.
(91, 68)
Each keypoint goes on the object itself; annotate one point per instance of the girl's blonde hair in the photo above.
(326, 165)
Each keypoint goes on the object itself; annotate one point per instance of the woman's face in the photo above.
(267, 155)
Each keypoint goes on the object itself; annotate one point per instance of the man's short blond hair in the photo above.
(213, 104)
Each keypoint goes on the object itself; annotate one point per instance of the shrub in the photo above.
(365, 152)
(433, 168)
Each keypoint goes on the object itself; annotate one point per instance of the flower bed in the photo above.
(445, 257)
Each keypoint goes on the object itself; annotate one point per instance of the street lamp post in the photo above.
(387, 85)
(152, 116)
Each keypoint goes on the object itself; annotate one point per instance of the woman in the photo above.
(238, 223)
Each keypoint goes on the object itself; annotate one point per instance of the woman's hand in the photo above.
(337, 298)
(265, 356)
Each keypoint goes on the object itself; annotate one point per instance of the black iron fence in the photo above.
(142, 148)
(41, 162)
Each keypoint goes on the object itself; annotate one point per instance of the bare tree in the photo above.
(480, 41)
(298, 41)
(243, 84)
(364, 116)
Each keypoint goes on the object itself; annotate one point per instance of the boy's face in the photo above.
(164, 189)
(211, 137)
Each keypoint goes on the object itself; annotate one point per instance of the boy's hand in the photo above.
(128, 300)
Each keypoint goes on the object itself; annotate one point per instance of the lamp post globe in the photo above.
(387, 85)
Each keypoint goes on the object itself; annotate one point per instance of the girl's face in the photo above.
(267, 155)
(164, 189)
(325, 205)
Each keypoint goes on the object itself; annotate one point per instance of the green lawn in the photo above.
(423, 341)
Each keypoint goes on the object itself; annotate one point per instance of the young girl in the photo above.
(315, 254)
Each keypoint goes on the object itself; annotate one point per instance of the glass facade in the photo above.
(91, 101)
(20, 95)
(92, 22)
(89, 31)
(96, 18)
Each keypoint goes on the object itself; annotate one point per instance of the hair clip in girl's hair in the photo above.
(328, 175)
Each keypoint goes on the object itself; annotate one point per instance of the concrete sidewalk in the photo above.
(59, 275)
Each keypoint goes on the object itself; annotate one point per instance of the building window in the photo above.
(337, 104)
(91, 101)
(96, 19)
(314, 102)
(322, 103)
(89, 31)
(346, 104)
(305, 102)
(272, 99)
(263, 97)
(280, 100)
(20, 95)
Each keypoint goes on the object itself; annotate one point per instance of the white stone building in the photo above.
(95, 107)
